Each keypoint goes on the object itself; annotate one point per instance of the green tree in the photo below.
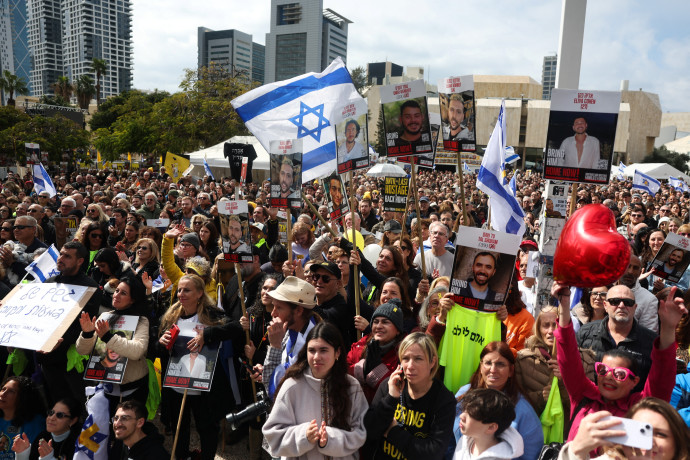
(63, 88)
(54, 100)
(101, 68)
(12, 85)
(9, 116)
(85, 90)
(664, 155)
(359, 78)
(380, 144)
(122, 105)
(55, 134)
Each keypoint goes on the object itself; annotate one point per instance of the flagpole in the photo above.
(419, 215)
(179, 423)
(354, 247)
(461, 176)
(320, 217)
(240, 291)
(573, 198)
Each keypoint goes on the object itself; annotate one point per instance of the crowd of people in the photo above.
(342, 377)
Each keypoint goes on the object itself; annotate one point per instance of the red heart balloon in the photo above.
(590, 252)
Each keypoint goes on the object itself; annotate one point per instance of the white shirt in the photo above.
(590, 153)
(356, 153)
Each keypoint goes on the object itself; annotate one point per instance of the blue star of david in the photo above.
(298, 120)
(53, 272)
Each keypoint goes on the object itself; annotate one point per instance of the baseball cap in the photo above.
(330, 267)
(392, 226)
(424, 198)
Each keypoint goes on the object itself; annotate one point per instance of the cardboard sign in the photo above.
(351, 137)
(286, 174)
(234, 230)
(34, 316)
(672, 259)
(483, 265)
(456, 103)
(187, 369)
(106, 365)
(395, 192)
(556, 203)
(158, 223)
(337, 196)
(406, 119)
(582, 130)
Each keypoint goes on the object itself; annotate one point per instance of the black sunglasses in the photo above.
(325, 278)
(22, 227)
(615, 301)
(5, 229)
(96, 235)
(59, 415)
(142, 247)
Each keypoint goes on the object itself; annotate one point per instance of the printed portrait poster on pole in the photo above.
(286, 174)
(456, 104)
(582, 130)
(34, 316)
(188, 369)
(673, 258)
(406, 119)
(33, 153)
(106, 365)
(282, 227)
(427, 160)
(351, 137)
(234, 230)
(556, 205)
(482, 268)
(395, 192)
(337, 197)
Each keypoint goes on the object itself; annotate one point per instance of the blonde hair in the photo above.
(155, 253)
(206, 304)
(426, 343)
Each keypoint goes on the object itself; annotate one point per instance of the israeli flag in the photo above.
(646, 183)
(511, 156)
(42, 182)
(675, 183)
(305, 107)
(92, 443)
(506, 212)
(621, 167)
(575, 296)
(45, 266)
(512, 185)
(207, 169)
(466, 168)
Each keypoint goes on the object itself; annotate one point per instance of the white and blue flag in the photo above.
(92, 443)
(466, 168)
(42, 181)
(575, 296)
(305, 107)
(646, 183)
(45, 266)
(511, 156)
(506, 212)
(512, 185)
(675, 183)
(207, 169)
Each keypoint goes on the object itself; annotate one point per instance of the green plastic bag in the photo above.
(154, 397)
(553, 417)
(18, 360)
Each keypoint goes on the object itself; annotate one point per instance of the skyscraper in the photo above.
(232, 49)
(14, 42)
(303, 38)
(548, 76)
(45, 42)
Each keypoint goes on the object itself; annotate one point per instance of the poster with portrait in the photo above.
(105, 364)
(395, 193)
(673, 258)
(33, 153)
(427, 160)
(190, 369)
(65, 230)
(556, 203)
(581, 134)
(456, 104)
(406, 119)
(234, 230)
(336, 195)
(351, 137)
(286, 174)
(482, 268)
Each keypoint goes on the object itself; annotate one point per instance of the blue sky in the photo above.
(644, 42)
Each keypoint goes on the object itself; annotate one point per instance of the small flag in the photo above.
(45, 266)
(512, 185)
(92, 443)
(207, 169)
(642, 181)
(576, 296)
(511, 156)
(675, 183)
(42, 181)
(465, 167)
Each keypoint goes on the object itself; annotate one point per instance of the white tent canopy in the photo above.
(219, 164)
(655, 170)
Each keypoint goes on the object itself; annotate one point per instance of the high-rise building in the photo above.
(14, 43)
(303, 38)
(379, 73)
(548, 76)
(232, 49)
(66, 35)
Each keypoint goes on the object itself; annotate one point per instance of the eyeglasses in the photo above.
(615, 301)
(96, 235)
(59, 415)
(663, 210)
(598, 294)
(186, 245)
(124, 418)
(637, 215)
(143, 248)
(325, 278)
(22, 227)
(438, 233)
(92, 210)
(620, 374)
(496, 364)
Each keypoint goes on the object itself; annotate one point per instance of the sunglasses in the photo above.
(96, 235)
(326, 278)
(59, 415)
(636, 215)
(143, 248)
(615, 301)
(598, 294)
(22, 227)
(620, 374)
(5, 229)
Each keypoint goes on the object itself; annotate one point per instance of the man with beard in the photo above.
(412, 122)
(646, 312)
(350, 149)
(672, 265)
(286, 178)
(483, 269)
(234, 242)
(455, 129)
(580, 150)
(137, 438)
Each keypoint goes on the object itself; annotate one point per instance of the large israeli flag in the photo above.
(305, 107)
(506, 213)
(42, 181)
(45, 266)
(646, 183)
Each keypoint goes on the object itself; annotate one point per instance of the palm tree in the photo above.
(101, 68)
(85, 90)
(12, 85)
(63, 88)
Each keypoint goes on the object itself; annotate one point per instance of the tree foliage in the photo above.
(12, 85)
(359, 78)
(100, 68)
(664, 155)
(380, 144)
(63, 88)
(85, 89)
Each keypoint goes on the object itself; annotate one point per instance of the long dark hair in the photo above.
(514, 303)
(93, 226)
(512, 389)
(28, 403)
(399, 271)
(336, 383)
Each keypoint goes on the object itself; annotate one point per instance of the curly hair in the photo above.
(27, 404)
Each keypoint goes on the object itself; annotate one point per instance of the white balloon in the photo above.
(371, 252)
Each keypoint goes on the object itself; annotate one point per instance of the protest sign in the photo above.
(395, 193)
(34, 316)
(337, 196)
(556, 203)
(234, 230)
(456, 103)
(161, 224)
(187, 369)
(483, 265)
(107, 365)
(286, 174)
(582, 130)
(673, 258)
(427, 160)
(65, 230)
(406, 119)
(33, 152)
(351, 137)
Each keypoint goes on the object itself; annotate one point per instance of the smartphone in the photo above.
(174, 332)
(401, 384)
(637, 434)
(112, 222)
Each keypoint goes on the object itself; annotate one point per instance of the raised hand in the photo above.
(87, 323)
(21, 443)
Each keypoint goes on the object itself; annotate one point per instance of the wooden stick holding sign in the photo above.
(179, 423)
(289, 233)
(419, 215)
(461, 176)
(320, 217)
(240, 294)
(573, 198)
(353, 203)
(404, 218)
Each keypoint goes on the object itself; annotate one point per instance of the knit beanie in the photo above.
(191, 238)
(392, 310)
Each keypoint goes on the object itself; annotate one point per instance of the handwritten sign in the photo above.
(158, 223)
(34, 316)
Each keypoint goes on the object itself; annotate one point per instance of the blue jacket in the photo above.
(526, 422)
(680, 398)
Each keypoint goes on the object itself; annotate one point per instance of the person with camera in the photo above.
(319, 409)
